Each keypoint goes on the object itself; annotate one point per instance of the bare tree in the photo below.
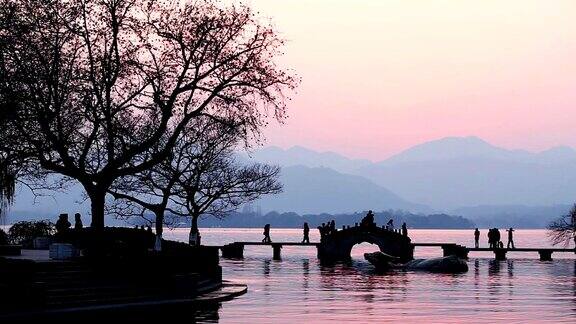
(202, 177)
(149, 191)
(220, 185)
(563, 230)
(93, 86)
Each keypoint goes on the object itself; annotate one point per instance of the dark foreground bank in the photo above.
(117, 276)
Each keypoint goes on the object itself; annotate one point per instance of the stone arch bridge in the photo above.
(337, 246)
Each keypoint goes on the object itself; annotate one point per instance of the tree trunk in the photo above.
(194, 226)
(159, 231)
(159, 222)
(97, 200)
(194, 237)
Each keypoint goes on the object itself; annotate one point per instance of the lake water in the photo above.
(298, 289)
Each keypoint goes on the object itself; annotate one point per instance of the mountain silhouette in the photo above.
(298, 155)
(444, 174)
(474, 148)
(323, 190)
(456, 172)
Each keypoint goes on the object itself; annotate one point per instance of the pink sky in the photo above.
(379, 76)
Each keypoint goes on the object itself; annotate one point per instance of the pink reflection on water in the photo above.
(300, 290)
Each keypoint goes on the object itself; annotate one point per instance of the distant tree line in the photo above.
(292, 220)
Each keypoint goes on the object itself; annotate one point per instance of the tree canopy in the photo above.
(97, 90)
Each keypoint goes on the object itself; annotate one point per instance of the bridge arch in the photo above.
(338, 246)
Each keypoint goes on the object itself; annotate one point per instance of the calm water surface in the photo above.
(300, 290)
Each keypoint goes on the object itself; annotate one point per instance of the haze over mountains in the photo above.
(323, 190)
(456, 172)
(450, 173)
(298, 155)
(458, 175)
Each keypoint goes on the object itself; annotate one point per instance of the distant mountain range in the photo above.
(458, 175)
(298, 155)
(474, 148)
(324, 190)
(455, 172)
(293, 220)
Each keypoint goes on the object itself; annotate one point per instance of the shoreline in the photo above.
(37, 287)
(226, 291)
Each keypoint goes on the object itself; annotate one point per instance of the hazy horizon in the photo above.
(381, 75)
(343, 154)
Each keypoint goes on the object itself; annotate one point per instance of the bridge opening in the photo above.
(358, 250)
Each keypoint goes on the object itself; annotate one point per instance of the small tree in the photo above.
(202, 176)
(563, 229)
(216, 183)
(149, 191)
(25, 232)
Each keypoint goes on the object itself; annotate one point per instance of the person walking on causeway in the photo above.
(476, 238)
(306, 238)
(267, 234)
(510, 238)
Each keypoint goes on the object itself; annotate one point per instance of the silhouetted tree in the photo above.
(202, 176)
(563, 230)
(148, 191)
(25, 232)
(217, 183)
(98, 90)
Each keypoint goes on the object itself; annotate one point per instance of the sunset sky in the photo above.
(379, 75)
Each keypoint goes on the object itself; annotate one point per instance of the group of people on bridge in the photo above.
(368, 221)
(494, 238)
(327, 229)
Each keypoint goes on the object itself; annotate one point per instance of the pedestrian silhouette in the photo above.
(368, 220)
(493, 238)
(306, 238)
(404, 230)
(476, 238)
(332, 227)
(267, 234)
(63, 225)
(390, 225)
(510, 238)
(78, 221)
(322, 230)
